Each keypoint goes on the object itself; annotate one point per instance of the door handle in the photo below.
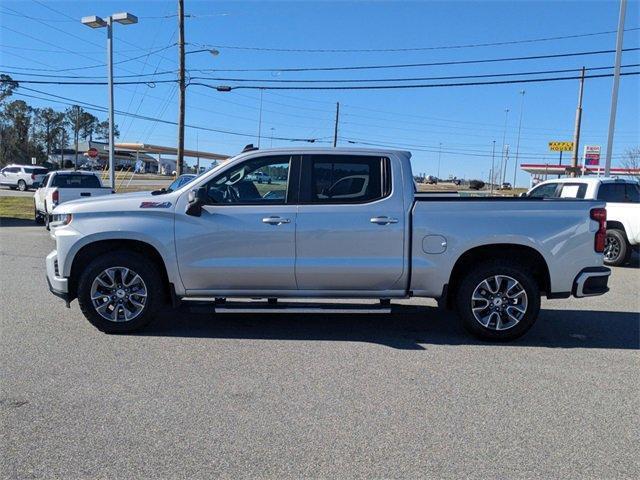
(275, 220)
(383, 220)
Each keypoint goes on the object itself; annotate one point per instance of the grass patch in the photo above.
(16, 207)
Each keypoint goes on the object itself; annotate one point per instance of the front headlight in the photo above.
(60, 220)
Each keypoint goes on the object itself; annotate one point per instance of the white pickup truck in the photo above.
(311, 234)
(63, 186)
(622, 199)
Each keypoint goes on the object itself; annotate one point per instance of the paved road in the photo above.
(310, 396)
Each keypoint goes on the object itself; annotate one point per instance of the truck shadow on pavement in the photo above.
(406, 331)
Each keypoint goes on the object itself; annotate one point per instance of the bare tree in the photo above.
(631, 160)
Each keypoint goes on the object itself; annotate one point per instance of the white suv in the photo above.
(22, 177)
(623, 209)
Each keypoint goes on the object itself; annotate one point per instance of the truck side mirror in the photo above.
(196, 199)
(523, 194)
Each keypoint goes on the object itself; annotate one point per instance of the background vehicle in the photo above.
(476, 184)
(260, 177)
(181, 181)
(22, 177)
(63, 186)
(622, 199)
(347, 223)
(431, 180)
(505, 186)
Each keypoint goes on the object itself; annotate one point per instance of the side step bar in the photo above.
(210, 306)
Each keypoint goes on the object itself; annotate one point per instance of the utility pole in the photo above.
(616, 82)
(62, 143)
(506, 161)
(493, 157)
(76, 134)
(197, 153)
(182, 88)
(504, 139)
(515, 167)
(439, 157)
(260, 119)
(576, 131)
(335, 128)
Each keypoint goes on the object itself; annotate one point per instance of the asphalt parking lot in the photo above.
(291, 396)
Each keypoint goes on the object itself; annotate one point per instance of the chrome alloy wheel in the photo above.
(118, 294)
(499, 302)
(611, 248)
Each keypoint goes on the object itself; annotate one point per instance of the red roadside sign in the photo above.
(92, 152)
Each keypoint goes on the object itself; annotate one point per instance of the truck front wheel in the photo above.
(498, 300)
(120, 292)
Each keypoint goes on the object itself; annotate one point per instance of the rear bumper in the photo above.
(591, 281)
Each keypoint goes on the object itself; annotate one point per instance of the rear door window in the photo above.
(346, 178)
(573, 190)
(547, 190)
(612, 192)
(633, 193)
(76, 181)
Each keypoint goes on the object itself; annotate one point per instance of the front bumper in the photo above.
(59, 286)
(591, 281)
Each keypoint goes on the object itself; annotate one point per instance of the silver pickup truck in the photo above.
(333, 223)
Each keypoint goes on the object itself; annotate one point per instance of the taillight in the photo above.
(33, 176)
(55, 196)
(600, 216)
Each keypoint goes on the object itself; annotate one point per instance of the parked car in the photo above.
(431, 180)
(622, 199)
(505, 186)
(124, 257)
(22, 177)
(63, 186)
(181, 181)
(260, 177)
(476, 184)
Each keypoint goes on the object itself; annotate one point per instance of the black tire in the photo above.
(616, 250)
(137, 263)
(37, 217)
(22, 185)
(474, 278)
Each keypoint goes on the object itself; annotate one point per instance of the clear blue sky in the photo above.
(464, 119)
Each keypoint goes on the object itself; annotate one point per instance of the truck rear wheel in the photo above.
(120, 292)
(37, 216)
(498, 300)
(616, 247)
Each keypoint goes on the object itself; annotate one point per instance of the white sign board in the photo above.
(33, 160)
(591, 155)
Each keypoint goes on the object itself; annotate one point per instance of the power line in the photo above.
(71, 101)
(413, 49)
(58, 82)
(411, 65)
(407, 79)
(413, 86)
(79, 77)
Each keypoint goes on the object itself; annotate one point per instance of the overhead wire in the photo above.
(413, 49)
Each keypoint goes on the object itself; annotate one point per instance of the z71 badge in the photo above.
(155, 204)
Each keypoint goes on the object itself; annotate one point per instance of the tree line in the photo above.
(27, 132)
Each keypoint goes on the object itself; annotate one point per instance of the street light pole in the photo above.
(112, 150)
(439, 157)
(493, 173)
(94, 21)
